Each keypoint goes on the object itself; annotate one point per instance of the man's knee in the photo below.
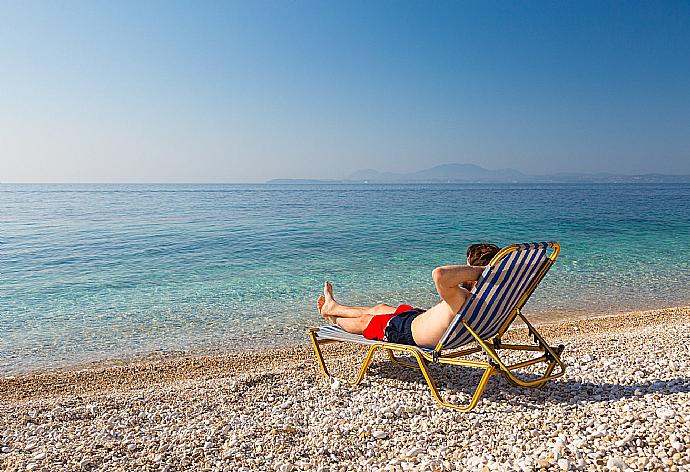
(364, 322)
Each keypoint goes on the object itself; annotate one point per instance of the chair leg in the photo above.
(317, 352)
(319, 356)
(421, 362)
(394, 359)
(549, 369)
(488, 372)
(540, 382)
(552, 356)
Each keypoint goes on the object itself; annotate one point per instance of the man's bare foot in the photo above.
(329, 303)
(319, 304)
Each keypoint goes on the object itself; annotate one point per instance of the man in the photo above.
(405, 324)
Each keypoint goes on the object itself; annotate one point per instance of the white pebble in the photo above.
(616, 462)
(380, 434)
(414, 452)
(557, 448)
(665, 413)
(625, 440)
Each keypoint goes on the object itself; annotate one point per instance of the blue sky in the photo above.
(247, 91)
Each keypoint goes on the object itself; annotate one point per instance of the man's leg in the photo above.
(354, 325)
(329, 308)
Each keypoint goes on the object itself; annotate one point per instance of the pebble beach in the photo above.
(623, 404)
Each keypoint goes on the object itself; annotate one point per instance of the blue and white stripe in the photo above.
(339, 334)
(497, 293)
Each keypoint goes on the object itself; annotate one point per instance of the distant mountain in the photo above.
(304, 181)
(471, 173)
(444, 173)
(475, 173)
(604, 177)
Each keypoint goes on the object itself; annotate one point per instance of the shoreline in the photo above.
(539, 318)
(177, 365)
(623, 404)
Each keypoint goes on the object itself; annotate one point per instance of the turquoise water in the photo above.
(97, 271)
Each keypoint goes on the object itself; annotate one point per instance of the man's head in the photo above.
(481, 254)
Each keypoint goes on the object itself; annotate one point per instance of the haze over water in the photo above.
(98, 271)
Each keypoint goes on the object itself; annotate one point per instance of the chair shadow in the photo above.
(464, 380)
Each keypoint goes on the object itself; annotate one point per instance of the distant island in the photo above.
(472, 173)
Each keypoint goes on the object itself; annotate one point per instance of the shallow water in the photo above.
(95, 271)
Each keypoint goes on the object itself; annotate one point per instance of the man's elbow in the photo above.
(437, 275)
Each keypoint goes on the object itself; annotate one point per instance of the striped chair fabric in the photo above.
(496, 294)
(339, 334)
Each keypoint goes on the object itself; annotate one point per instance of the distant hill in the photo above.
(471, 173)
(477, 174)
(304, 181)
(444, 173)
(603, 177)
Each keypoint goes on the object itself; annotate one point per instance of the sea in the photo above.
(97, 272)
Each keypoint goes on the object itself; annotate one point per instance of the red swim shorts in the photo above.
(377, 325)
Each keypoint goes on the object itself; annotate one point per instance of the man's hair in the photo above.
(480, 254)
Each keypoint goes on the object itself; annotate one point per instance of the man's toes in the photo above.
(328, 289)
(320, 302)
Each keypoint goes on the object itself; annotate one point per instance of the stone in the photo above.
(378, 434)
(414, 452)
(623, 442)
(223, 420)
(665, 413)
(557, 448)
(617, 463)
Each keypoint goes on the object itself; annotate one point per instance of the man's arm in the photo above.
(452, 276)
(447, 280)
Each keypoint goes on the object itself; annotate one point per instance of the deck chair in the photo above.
(493, 305)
